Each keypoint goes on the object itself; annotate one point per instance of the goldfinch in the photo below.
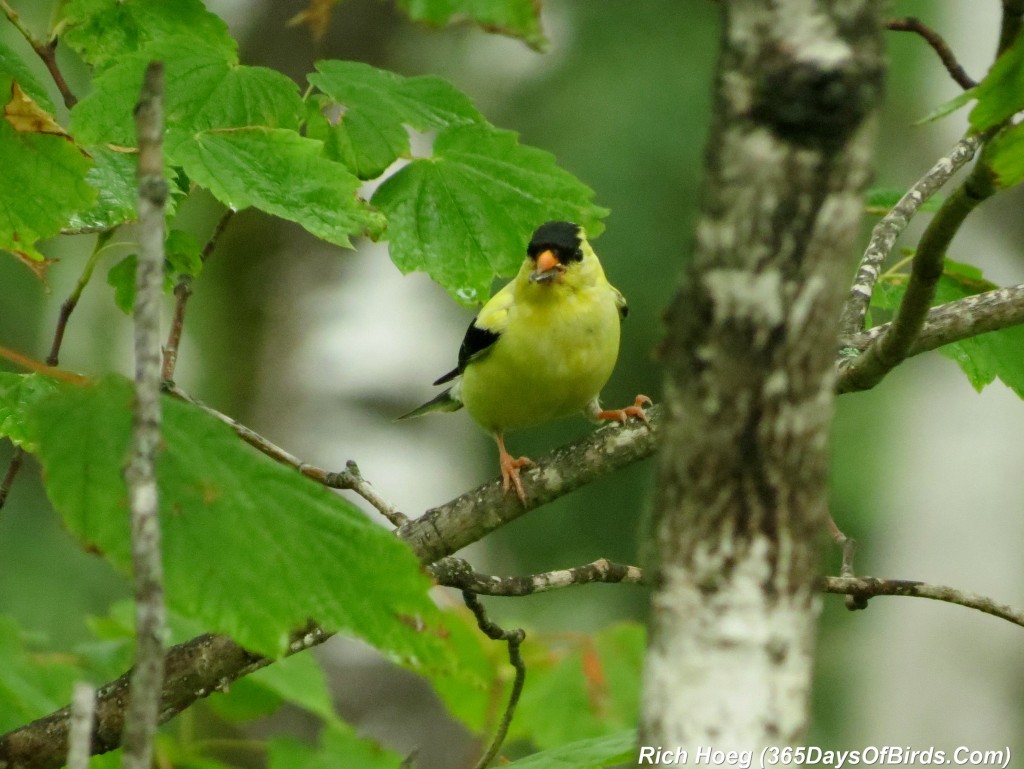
(542, 347)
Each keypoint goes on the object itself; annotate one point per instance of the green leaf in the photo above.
(251, 548)
(383, 98)
(300, 680)
(466, 214)
(339, 747)
(593, 680)
(30, 684)
(43, 185)
(1001, 93)
(282, 173)
(184, 255)
(595, 753)
(366, 150)
(881, 200)
(122, 278)
(103, 32)
(1005, 156)
(982, 358)
(14, 66)
(371, 133)
(516, 18)
(204, 90)
(113, 178)
(948, 107)
(17, 394)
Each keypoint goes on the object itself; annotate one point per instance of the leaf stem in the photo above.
(71, 302)
(46, 51)
(182, 293)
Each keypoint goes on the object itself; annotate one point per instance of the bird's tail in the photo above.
(442, 402)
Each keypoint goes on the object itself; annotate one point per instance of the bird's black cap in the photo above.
(561, 237)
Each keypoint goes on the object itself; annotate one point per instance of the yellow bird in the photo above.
(542, 347)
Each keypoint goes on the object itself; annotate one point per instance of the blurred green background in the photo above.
(319, 349)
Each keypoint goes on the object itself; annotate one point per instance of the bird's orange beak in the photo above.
(548, 268)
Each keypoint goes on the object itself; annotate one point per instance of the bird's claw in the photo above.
(510, 467)
(636, 410)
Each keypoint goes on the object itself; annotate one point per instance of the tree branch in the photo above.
(140, 474)
(953, 322)
(869, 587)
(83, 711)
(934, 39)
(889, 227)
(514, 639)
(893, 346)
(457, 573)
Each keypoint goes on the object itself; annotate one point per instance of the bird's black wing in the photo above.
(476, 342)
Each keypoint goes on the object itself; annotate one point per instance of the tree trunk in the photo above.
(741, 507)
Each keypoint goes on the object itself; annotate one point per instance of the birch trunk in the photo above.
(751, 339)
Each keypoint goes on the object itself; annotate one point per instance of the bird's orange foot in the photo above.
(621, 415)
(510, 467)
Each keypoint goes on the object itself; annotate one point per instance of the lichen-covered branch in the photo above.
(140, 473)
(889, 228)
(892, 347)
(870, 587)
(457, 573)
(952, 322)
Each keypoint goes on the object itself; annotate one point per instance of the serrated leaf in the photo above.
(30, 686)
(339, 747)
(282, 173)
(204, 90)
(516, 18)
(595, 753)
(371, 133)
(43, 184)
(384, 98)
(1005, 156)
(593, 680)
(103, 32)
(113, 177)
(12, 65)
(1001, 94)
(251, 548)
(465, 214)
(17, 394)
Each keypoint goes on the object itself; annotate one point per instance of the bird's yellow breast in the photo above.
(557, 349)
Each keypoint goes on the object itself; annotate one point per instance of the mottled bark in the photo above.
(749, 353)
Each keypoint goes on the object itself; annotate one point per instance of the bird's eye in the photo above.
(578, 255)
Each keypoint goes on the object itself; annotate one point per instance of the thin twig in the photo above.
(869, 587)
(1010, 27)
(892, 347)
(71, 302)
(17, 459)
(514, 639)
(457, 573)
(83, 713)
(140, 475)
(46, 51)
(349, 479)
(889, 227)
(182, 293)
(934, 39)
